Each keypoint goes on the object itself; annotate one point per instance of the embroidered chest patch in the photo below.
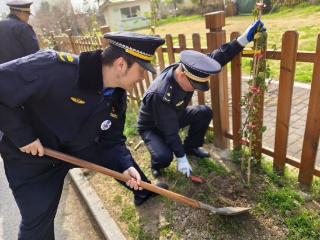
(105, 125)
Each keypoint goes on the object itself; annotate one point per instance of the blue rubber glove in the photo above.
(248, 35)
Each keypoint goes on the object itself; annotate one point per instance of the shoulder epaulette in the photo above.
(66, 57)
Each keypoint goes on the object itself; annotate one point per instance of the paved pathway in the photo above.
(72, 222)
(9, 213)
(299, 110)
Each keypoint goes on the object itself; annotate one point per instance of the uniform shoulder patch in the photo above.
(66, 57)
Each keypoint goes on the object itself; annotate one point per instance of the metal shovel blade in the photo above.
(227, 211)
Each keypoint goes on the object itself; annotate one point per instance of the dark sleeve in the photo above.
(226, 52)
(13, 125)
(124, 157)
(117, 158)
(14, 92)
(167, 122)
(120, 153)
(28, 40)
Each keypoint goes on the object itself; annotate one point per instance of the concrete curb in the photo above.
(107, 225)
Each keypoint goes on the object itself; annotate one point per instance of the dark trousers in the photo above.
(37, 185)
(197, 117)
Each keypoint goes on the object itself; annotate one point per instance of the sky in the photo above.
(36, 3)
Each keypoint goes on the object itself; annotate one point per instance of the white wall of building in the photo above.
(114, 19)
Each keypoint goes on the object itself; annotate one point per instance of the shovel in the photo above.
(124, 178)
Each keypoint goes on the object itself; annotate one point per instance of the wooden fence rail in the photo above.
(218, 96)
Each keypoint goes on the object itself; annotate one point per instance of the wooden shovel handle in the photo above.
(122, 177)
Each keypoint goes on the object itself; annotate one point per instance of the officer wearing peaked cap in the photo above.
(74, 104)
(143, 50)
(17, 37)
(164, 109)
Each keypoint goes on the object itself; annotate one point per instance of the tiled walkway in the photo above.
(299, 110)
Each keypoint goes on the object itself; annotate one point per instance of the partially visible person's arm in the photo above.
(228, 51)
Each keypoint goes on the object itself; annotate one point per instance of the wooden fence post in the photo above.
(197, 47)
(236, 96)
(183, 46)
(312, 131)
(218, 83)
(286, 82)
(74, 50)
(104, 29)
(160, 58)
(170, 50)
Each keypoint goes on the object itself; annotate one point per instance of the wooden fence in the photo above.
(217, 97)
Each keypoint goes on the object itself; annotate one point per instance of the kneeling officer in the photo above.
(164, 109)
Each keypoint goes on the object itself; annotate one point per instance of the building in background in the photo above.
(126, 15)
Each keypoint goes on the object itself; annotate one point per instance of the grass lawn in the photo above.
(279, 209)
(304, 19)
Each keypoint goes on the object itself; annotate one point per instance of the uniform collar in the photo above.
(10, 15)
(90, 71)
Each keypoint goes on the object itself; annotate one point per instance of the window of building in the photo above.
(130, 12)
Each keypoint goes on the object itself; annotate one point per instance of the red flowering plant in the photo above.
(252, 102)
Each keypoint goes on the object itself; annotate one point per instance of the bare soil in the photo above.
(164, 219)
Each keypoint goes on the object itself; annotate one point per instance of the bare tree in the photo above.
(55, 16)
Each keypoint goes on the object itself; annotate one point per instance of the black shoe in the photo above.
(198, 152)
(139, 200)
(155, 172)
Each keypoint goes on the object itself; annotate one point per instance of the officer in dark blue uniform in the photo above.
(17, 37)
(164, 109)
(73, 104)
